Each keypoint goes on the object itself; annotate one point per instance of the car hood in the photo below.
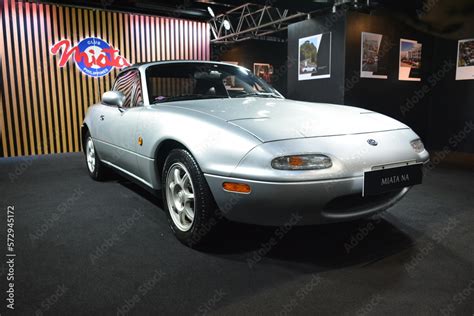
(276, 119)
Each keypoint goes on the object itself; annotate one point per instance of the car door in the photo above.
(118, 126)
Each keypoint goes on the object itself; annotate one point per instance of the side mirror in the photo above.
(113, 98)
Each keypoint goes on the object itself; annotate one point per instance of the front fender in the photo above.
(216, 145)
(92, 115)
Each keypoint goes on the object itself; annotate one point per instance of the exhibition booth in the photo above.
(219, 157)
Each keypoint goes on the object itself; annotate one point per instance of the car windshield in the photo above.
(190, 81)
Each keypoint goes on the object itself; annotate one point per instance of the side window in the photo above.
(129, 84)
(137, 93)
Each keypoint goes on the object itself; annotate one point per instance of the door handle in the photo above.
(102, 117)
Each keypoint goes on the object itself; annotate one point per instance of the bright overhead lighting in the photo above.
(226, 25)
(211, 12)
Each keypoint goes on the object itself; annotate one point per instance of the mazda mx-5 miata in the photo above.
(217, 141)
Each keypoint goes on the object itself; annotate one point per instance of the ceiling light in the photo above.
(226, 24)
(211, 12)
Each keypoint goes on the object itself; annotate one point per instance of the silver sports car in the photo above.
(219, 142)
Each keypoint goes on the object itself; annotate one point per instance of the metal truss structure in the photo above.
(249, 21)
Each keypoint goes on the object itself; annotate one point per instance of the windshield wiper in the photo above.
(258, 94)
(190, 97)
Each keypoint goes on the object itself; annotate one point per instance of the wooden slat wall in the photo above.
(41, 105)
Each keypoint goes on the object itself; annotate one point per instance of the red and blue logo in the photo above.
(93, 56)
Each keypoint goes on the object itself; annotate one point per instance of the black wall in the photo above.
(452, 102)
(256, 51)
(437, 108)
(318, 90)
(389, 96)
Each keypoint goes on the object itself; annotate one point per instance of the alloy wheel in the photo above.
(180, 196)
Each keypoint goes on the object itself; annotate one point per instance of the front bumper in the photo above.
(315, 202)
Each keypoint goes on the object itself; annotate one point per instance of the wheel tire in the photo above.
(206, 216)
(95, 166)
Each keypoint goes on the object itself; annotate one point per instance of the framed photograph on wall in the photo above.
(264, 71)
(372, 56)
(409, 60)
(314, 57)
(465, 60)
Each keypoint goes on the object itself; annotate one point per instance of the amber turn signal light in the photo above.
(236, 187)
(295, 161)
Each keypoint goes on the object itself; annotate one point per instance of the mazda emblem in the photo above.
(372, 142)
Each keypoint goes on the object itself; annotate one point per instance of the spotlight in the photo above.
(226, 25)
(211, 12)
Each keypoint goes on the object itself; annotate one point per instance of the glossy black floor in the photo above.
(85, 247)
